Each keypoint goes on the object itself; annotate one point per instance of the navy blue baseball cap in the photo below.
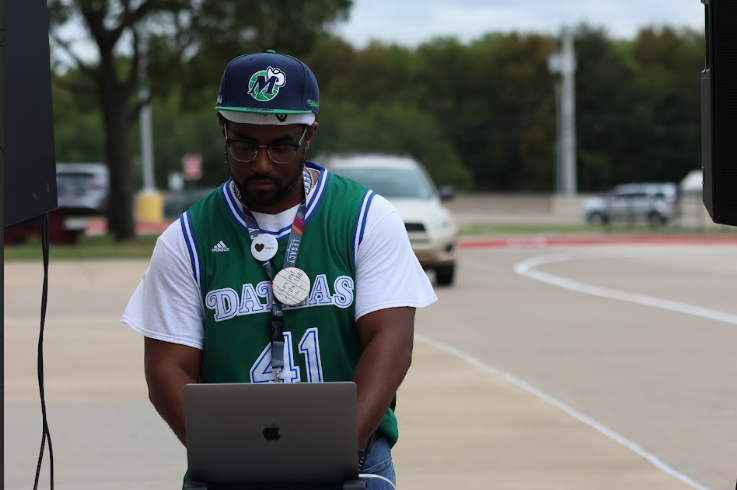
(268, 88)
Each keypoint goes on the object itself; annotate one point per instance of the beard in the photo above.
(255, 199)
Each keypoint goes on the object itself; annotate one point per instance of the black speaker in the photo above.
(719, 111)
(29, 159)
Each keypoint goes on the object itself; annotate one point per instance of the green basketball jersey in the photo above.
(321, 338)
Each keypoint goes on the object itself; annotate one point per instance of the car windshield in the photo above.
(392, 183)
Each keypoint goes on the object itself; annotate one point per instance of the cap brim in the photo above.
(281, 118)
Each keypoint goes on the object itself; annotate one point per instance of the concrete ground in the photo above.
(463, 423)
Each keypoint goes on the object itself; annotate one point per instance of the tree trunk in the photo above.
(121, 222)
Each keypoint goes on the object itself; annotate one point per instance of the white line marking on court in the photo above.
(527, 268)
(566, 408)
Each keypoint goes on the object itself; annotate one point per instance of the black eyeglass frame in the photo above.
(256, 148)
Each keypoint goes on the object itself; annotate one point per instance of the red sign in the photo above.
(192, 164)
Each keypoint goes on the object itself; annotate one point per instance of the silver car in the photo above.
(405, 183)
(82, 188)
(654, 203)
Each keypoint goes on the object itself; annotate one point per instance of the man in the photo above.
(284, 258)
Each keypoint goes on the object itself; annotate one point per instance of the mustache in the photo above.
(270, 178)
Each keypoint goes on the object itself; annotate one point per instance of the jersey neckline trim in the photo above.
(236, 213)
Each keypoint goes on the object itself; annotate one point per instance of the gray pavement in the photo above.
(462, 422)
(621, 335)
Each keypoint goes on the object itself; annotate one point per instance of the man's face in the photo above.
(266, 186)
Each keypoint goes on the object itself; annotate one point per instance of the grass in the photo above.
(103, 247)
(88, 247)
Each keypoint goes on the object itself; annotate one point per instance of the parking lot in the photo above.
(578, 367)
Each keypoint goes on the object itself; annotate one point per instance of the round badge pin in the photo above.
(291, 286)
(264, 247)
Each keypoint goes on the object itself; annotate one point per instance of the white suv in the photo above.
(405, 183)
(654, 203)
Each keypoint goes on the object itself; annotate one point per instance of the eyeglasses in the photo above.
(246, 151)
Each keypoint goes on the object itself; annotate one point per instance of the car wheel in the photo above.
(444, 275)
(656, 219)
(596, 218)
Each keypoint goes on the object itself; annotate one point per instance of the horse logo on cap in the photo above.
(264, 85)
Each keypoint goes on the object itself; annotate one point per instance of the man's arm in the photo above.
(387, 336)
(168, 368)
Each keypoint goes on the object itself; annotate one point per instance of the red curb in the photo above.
(544, 241)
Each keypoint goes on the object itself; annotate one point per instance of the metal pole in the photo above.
(558, 145)
(568, 115)
(147, 139)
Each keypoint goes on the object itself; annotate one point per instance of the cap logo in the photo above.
(264, 85)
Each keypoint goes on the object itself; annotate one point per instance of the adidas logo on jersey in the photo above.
(220, 247)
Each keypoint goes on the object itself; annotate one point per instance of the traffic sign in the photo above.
(192, 165)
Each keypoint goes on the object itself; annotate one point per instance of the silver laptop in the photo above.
(251, 434)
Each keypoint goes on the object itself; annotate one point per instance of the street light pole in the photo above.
(147, 143)
(563, 63)
(568, 115)
(150, 207)
(558, 146)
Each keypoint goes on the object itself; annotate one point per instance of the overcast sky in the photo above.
(411, 22)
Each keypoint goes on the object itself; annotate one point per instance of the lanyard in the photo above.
(290, 260)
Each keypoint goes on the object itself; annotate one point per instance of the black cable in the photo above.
(46, 435)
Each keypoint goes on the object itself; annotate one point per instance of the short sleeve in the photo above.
(167, 304)
(388, 274)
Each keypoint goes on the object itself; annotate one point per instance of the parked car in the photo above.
(405, 183)
(82, 188)
(654, 203)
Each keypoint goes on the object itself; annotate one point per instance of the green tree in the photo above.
(605, 76)
(187, 43)
(451, 84)
(332, 59)
(638, 106)
(398, 129)
(78, 136)
(525, 110)
(494, 100)
(666, 96)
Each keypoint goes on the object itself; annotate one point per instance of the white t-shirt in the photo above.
(167, 305)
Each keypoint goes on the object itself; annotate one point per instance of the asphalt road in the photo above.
(641, 339)
(543, 367)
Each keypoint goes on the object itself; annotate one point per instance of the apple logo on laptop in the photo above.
(272, 433)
